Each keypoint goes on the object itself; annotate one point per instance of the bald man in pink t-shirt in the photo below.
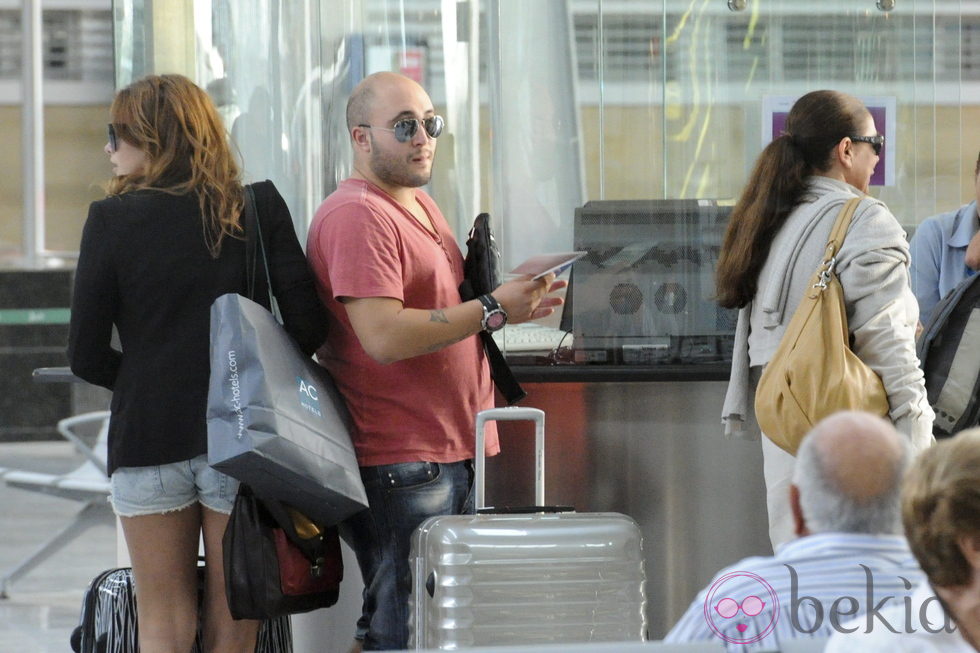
(402, 346)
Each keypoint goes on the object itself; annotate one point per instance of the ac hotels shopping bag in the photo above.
(275, 419)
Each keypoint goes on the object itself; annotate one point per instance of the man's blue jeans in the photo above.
(400, 496)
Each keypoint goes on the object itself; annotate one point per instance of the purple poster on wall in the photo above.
(776, 108)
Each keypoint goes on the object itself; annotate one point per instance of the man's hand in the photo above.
(973, 252)
(525, 299)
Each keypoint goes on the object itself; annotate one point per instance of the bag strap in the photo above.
(480, 239)
(251, 243)
(834, 242)
(839, 231)
(254, 250)
(503, 377)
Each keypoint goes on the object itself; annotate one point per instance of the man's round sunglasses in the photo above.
(876, 142)
(405, 129)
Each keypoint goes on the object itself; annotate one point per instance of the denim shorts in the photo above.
(401, 496)
(158, 489)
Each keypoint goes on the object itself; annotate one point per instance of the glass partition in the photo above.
(537, 152)
(281, 73)
(260, 63)
(674, 101)
(559, 110)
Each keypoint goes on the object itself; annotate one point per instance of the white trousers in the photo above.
(777, 468)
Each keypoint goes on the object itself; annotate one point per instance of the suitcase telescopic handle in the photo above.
(509, 414)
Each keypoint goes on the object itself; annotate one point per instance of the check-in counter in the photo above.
(631, 374)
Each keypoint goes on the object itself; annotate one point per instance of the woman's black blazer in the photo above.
(144, 267)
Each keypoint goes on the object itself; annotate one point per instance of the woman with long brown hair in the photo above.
(775, 240)
(166, 242)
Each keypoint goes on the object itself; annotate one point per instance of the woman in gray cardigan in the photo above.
(775, 240)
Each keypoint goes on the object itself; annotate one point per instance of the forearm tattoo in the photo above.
(438, 315)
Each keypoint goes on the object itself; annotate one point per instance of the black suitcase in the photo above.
(108, 620)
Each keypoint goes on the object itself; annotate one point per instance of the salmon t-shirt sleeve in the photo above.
(363, 253)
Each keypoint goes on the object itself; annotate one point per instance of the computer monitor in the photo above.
(644, 293)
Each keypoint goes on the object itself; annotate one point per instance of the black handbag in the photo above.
(480, 269)
(277, 561)
(480, 277)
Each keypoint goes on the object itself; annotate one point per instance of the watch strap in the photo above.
(489, 302)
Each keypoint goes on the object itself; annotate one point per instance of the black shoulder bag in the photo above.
(480, 277)
(277, 561)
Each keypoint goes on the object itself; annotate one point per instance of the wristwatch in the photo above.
(494, 317)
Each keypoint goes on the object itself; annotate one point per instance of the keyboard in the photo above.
(530, 337)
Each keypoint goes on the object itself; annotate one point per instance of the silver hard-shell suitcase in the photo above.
(534, 575)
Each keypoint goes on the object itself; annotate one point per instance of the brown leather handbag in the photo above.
(814, 373)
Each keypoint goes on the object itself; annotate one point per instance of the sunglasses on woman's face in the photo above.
(113, 139)
(406, 128)
(876, 142)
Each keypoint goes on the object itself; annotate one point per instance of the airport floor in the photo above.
(44, 606)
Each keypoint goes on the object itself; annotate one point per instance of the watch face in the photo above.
(495, 320)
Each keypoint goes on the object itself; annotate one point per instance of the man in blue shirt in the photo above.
(848, 561)
(945, 251)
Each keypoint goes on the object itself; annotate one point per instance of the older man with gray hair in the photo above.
(941, 514)
(849, 559)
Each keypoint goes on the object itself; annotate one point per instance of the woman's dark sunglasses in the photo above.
(111, 131)
(405, 129)
(876, 142)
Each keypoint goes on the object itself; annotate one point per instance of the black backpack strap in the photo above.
(500, 371)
